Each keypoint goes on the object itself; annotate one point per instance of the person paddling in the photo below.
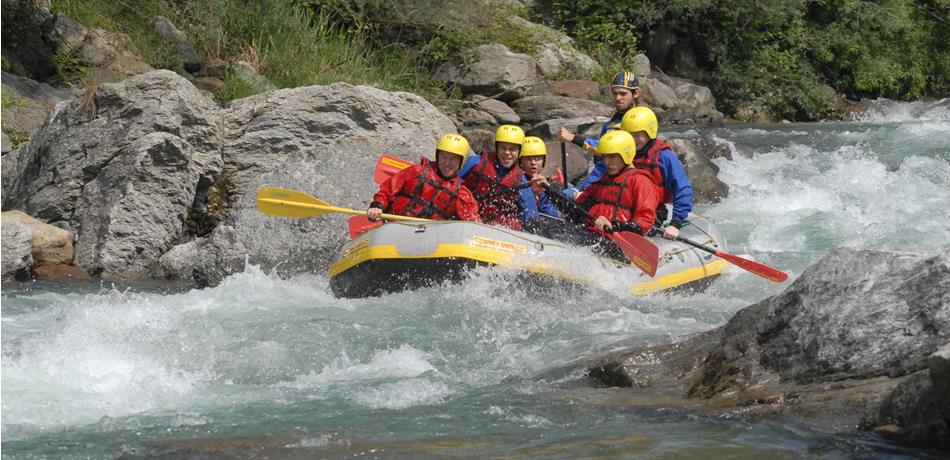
(532, 160)
(656, 157)
(498, 184)
(431, 190)
(623, 199)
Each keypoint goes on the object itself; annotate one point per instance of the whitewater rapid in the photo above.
(115, 368)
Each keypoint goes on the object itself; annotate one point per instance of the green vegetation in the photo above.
(305, 42)
(779, 53)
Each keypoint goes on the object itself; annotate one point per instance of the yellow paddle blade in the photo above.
(291, 203)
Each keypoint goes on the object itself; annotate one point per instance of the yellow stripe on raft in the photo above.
(679, 278)
(365, 253)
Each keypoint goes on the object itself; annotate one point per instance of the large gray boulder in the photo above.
(861, 333)
(491, 70)
(120, 168)
(535, 109)
(702, 172)
(556, 52)
(16, 257)
(502, 113)
(49, 245)
(323, 140)
(149, 167)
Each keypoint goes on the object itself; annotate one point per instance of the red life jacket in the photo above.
(650, 162)
(608, 196)
(432, 196)
(498, 200)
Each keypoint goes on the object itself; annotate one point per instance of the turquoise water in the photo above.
(279, 368)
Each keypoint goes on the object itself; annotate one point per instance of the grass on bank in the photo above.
(306, 42)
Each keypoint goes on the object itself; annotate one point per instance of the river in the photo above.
(261, 365)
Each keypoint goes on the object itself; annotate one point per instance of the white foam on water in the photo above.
(800, 199)
(890, 111)
(402, 394)
(402, 362)
(117, 352)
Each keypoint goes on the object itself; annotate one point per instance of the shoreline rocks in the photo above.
(863, 332)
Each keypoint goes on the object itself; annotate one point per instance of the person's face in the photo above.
(448, 163)
(641, 139)
(624, 99)
(507, 153)
(532, 166)
(614, 163)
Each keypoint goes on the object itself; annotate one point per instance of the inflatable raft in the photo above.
(406, 255)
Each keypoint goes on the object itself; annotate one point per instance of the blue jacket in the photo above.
(545, 206)
(528, 202)
(674, 180)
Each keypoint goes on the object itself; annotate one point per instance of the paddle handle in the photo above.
(696, 245)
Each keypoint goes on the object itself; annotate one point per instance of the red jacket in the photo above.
(499, 202)
(628, 195)
(419, 191)
(650, 162)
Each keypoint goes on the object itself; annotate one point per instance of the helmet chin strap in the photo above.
(646, 147)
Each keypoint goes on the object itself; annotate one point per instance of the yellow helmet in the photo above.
(509, 133)
(454, 143)
(640, 119)
(533, 147)
(618, 142)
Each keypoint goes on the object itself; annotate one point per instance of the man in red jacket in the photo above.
(431, 190)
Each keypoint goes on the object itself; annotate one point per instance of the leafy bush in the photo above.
(781, 54)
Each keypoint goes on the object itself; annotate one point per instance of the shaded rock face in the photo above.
(120, 168)
(855, 314)
(497, 109)
(863, 331)
(702, 172)
(149, 163)
(30, 104)
(535, 109)
(185, 54)
(493, 71)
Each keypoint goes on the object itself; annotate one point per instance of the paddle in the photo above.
(638, 250)
(291, 203)
(564, 163)
(387, 166)
(762, 270)
(361, 224)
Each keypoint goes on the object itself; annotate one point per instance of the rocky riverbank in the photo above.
(859, 342)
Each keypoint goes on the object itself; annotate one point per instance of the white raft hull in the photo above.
(402, 255)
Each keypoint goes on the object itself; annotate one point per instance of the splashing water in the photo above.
(489, 368)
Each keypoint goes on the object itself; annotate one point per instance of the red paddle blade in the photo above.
(361, 224)
(639, 250)
(558, 177)
(762, 270)
(387, 166)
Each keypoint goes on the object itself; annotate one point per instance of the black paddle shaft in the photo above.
(696, 245)
(564, 162)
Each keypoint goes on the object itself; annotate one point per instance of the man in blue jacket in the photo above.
(625, 88)
(658, 158)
